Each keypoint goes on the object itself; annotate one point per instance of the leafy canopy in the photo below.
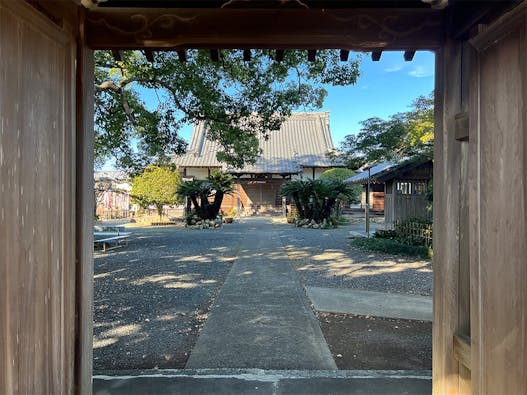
(402, 135)
(157, 186)
(225, 95)
(337, 174)
(340, 175)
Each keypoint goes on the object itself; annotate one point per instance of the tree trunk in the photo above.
(298, 205)
(194, 199)
(218, 199)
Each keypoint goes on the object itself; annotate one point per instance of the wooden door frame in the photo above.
(449, 102)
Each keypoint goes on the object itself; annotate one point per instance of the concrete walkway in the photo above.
(261, 318)
(379, 304)
(228, 382)
(261, 337)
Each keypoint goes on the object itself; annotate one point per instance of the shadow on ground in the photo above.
(152, 297)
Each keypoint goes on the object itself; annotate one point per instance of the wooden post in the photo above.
(497, 206)
(84, 215)
(445, 369)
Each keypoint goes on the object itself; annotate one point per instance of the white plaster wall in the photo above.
(198, 172)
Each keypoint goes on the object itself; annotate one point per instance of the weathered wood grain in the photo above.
(462, 350)
(84, 209)
(356, 29)
(447, 159)
(499, 197)
(38, 216)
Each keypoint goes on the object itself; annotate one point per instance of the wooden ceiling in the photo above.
(357, 25)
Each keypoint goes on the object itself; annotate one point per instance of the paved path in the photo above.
(379, 304)
(261, 318)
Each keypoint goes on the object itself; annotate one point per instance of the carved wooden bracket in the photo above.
(355, 29)
(437, 4)
(91, 3)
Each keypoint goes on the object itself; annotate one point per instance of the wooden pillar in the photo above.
(84, 214)
(480, 232)
(447, 165)
(38, 265)
(498, 200)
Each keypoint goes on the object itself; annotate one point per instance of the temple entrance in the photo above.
(480, 100)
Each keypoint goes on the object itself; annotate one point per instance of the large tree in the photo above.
(340, 175)
(141, 106)
(400, 136)
(157, 186)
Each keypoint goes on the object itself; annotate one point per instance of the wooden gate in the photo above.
(39, 209)
(480, 185)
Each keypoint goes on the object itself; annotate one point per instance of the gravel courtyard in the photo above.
(152, 297)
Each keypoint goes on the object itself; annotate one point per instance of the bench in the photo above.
(110, 235)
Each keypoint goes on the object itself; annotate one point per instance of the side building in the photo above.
(299, 150)
(397, 189)
(112, 194)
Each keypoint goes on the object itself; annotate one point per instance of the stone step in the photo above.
(256, 381)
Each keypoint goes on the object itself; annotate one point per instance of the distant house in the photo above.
(298, 150)
(112, 194)
(397, 189)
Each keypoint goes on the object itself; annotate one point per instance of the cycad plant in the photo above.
(316, 199)
(206, 196)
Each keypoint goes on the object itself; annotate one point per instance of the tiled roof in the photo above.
(374, 171)
(110, 175)
(303, 141)
(386, 170)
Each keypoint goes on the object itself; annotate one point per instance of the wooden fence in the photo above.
(418, 230)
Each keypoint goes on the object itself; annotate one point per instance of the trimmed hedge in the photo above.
(393, 247)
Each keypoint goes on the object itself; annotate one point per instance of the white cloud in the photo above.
(394, 68)
(420, 72)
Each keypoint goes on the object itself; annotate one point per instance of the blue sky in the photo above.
(384, 88)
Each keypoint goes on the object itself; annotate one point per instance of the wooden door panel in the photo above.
(38, 219)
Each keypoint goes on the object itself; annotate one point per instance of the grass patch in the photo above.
(393, 247)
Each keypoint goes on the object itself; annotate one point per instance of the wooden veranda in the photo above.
(46, 163)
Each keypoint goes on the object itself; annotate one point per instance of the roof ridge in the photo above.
(305, 133)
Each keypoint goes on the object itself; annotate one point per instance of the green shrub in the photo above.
(385, 234)
(414, 231)
(343, 220)
(394, 247)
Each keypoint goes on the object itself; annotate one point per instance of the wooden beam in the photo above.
(215, 55)
(344, 54)
(311, 55)
(246, 55)
(117, 55)
(408, 56)
(149, 55)
(364, 29)
(182, 55)
(376, 56)
(279, 55)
